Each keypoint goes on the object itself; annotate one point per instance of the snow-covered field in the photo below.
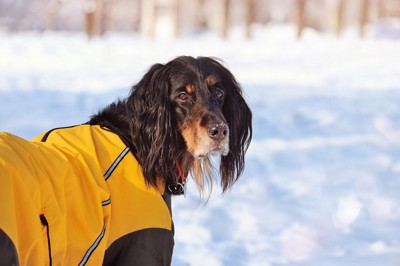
(322, 182)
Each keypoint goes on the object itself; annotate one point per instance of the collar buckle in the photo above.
(178, 189)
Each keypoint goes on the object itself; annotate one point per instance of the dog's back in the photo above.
(55, 197)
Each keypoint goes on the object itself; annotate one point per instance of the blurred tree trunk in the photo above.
(138, 21)
(250, 17)
(153, 13)
(106, 16)
(340, 17)
(20, 15)
(175, 17)
(226, 19)
(93, 17)
(52, 8)
(147, 17)
(382, 12)
(363, 19)
(201, 19)
(300, 16)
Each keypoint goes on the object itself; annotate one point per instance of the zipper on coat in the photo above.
(44, 222)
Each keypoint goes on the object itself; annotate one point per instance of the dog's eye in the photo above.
(183, 96)
(219, 93)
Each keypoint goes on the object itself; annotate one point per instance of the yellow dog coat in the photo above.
(77, 196)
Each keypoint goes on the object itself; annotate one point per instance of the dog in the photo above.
(100, 192)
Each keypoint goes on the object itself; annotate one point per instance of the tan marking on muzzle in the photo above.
(189, 135)
(198, 141)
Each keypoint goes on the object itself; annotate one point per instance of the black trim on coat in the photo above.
(8, 252)
(167, 199)
(45, 223)
(149, 247)
(45, 136)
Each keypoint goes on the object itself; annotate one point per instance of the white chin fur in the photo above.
(213, 151)
(221, 151)
(206, 147)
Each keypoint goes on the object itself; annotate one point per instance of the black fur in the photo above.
(150, 118)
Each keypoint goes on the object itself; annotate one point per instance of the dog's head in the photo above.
(197, 95)
(187, 110)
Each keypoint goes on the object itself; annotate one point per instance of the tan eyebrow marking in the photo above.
(190, 88)
(211, 80)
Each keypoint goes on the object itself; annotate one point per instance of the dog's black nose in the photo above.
(218, 131)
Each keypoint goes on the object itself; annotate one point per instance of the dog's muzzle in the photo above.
(218, 131)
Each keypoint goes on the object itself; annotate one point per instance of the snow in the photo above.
(321, 185)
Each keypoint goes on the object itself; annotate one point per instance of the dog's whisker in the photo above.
(204, 174)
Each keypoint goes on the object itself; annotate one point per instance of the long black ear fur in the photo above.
(153, 130)
(239, 118)
(144, 121)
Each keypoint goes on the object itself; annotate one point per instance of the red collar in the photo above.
(182, 177)
(179, 187)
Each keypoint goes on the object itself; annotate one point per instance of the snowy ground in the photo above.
(322, 181)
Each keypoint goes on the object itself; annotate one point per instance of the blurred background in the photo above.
(176, 18)
(322, 77)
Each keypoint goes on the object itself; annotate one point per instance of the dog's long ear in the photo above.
(152, 130)
(239, 118)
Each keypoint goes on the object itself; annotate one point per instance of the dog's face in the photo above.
(187, 110)
(198, 97)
